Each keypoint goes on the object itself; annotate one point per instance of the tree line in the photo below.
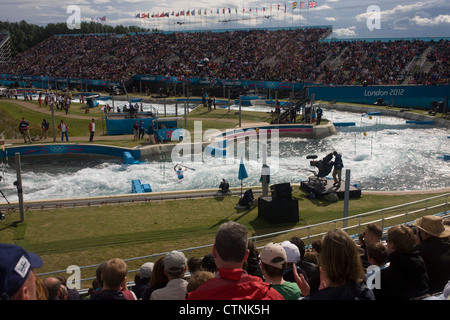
(25, 35)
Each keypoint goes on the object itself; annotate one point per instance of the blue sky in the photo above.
(349, 18)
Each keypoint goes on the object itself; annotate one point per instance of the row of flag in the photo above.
(98, 18)
(311, 4)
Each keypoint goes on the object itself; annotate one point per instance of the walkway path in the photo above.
(44, 110)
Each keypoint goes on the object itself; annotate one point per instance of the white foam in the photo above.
(383, 158)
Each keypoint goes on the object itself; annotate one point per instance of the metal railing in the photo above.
(353, 225)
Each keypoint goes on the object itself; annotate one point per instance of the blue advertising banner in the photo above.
(402, 96)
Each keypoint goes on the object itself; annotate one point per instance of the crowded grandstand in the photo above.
(302, 55)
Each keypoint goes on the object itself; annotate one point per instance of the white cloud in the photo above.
(440, 19)
(330, 19)
(397, 11)
(322, 8)
(345, 32)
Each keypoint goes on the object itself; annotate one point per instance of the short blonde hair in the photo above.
(114, 272)
(402, 237)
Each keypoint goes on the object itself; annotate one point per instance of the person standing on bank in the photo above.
(44, 126)
(319, 113)
(92, 130)
(64, 130)
(24, 129)
(337, 170)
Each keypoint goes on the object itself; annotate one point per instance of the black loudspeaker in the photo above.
(281, 191)
(278, 211)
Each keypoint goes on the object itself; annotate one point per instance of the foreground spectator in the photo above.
(273, 262)
(434, 247)
(175, 267)
(114, 277)
(158, 279)
(145, 274)
(231, 281)
(17, 278)
(53, 286)
(342, 274)
(406, 276)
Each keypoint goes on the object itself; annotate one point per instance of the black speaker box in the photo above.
(278, 211)
(281, 191)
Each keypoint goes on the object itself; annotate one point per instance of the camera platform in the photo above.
(323, 186)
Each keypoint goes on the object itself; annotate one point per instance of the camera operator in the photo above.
(433, 245)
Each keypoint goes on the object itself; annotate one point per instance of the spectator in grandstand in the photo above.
(208, 263)
(311, 257)
(377, 256)
(194, 264)
(273, 262)
(158, 280)
(53, 286)
(252, 265)
(230, 250)
(197, 278)
(406, 276)
(17, 278)
(371, 235)
(175, 267)
(342, 275)
(316, 247)
(293, 257)
(72, 293)
(145, 274)
(63, 294)
(434, 247)
(114, 277)
(310, 269)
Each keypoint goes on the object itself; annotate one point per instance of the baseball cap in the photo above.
(146, 270)
(15, 266)
(270, 252)
(175, 261)
(292, 251)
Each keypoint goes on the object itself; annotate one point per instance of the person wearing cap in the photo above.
(273, 262)
(311, 269)
(406, 276)
(230, 251)
(17, 278)
(175, 266)
(293, 256)
(434, 247)
(145, 274)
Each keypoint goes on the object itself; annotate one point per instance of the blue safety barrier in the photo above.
(420, 122)
(138, 187)
(128, 158)
(344, 124)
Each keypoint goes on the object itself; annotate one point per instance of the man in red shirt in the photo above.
(231, 281)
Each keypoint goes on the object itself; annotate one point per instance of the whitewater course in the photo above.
(384, 150)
